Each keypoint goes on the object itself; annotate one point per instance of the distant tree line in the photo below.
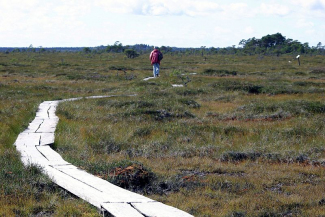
(275, 44)
(39, 49)
(278, 44)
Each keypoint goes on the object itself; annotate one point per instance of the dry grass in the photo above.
(244, 144)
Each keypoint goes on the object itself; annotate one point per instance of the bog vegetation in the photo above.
(243, 137)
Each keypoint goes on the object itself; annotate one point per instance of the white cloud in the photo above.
(218, 30)
(310, 8)
(310, 31)
(167, 7)
(303, 23)
(274, 9)
(249, 30)
(179, 22)
(237, 11)
(36, 22)
(236, 7)
(311, 4)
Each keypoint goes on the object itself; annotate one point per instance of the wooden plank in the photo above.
(60, 167)
(114, 194)
(30, 155)
(158, 209)
(80, 189)
(30, 139)
(43, 108)
(51, 112)
(33, 139)
(34, 125)
(52, 103)
(48, 126)
(49, 109)
(42, 115)
(71, 99)
(121, 210)
(52, 156)
(25, 139)
(40, 155)
(148, 78)
(98, 97)
(46, 138)
(28, 160)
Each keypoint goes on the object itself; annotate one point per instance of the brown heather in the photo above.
(243, 138)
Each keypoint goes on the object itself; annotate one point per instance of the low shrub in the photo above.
(131, 175)
(283, 109)
(317, 71)
(219, 72)
(120, 68)
(232, 85)
(190, 92)
(232, 156)
(125, 104)
(190, 103)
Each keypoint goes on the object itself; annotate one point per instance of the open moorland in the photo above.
(244, 136)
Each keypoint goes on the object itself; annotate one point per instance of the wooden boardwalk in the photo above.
(148, 78)
(34, 146)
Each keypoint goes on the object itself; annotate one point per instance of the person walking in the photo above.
(155, 57)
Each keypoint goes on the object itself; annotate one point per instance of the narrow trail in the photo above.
(34, 146)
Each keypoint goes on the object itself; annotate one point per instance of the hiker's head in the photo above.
(156, 47)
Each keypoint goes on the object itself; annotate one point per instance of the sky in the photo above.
(179, 23)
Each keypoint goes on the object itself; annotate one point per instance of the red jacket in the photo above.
(154, 56)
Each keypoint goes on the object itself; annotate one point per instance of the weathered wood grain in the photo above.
(34, 125)
(121, 210)
(52, 156)
(27, 139)
(80, 189)
(30, 155)
(33, 139)
(159, 210)
(48, 126)
(46, 138)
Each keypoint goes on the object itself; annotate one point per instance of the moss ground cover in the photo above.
(243, 138)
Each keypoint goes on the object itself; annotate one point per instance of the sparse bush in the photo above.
(254, 89)
(318, 71)
(279, 111)
(120, 68)
(125, 104)
(131, 175)
(190, 92)
(86, 50)
(232, 156)
(302, 159)
(190, 103)
(219, 72)
(130, 53)
(321, 202)
(237, 214)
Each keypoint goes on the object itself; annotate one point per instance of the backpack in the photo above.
(156, 57)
